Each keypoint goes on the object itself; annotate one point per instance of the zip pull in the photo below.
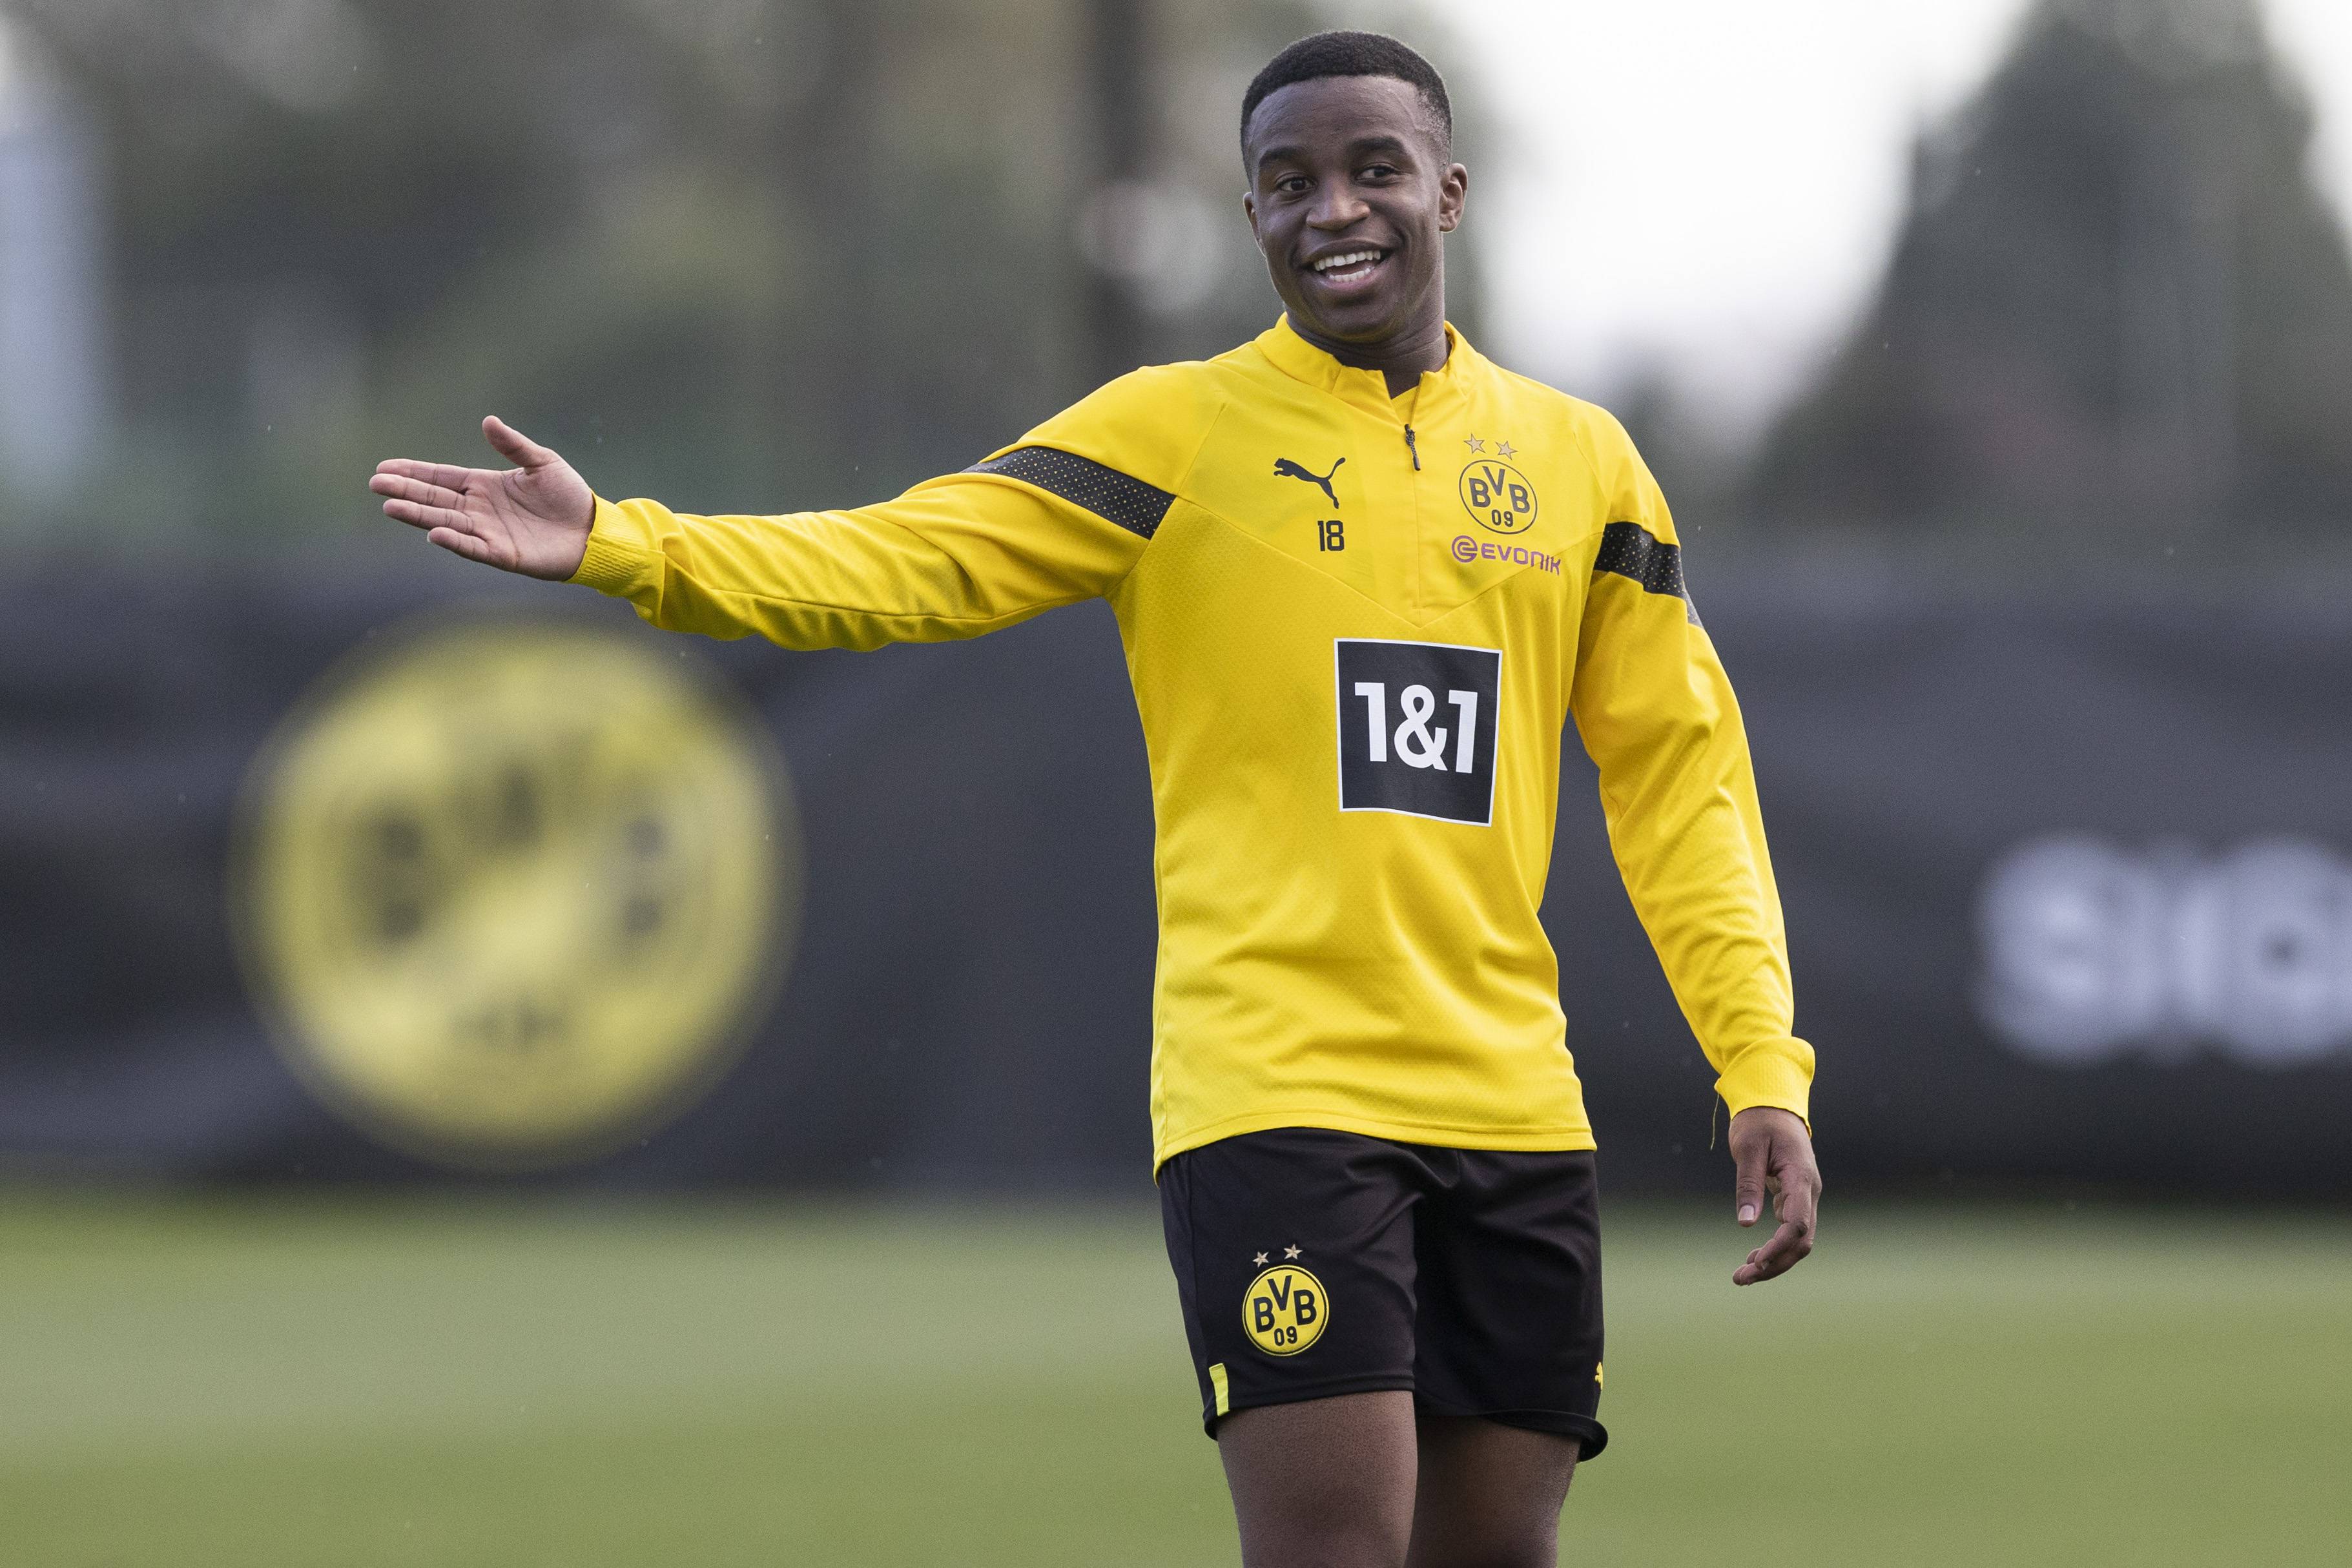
(1413, 449)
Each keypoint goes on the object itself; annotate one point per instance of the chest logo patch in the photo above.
(1417, 728)
(1284, 1309)
(1284, 469)
(1497, 497)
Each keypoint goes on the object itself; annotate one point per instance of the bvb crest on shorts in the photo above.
(1284, 1309)
(509, 894)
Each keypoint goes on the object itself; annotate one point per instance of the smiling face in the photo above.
(1350, 188)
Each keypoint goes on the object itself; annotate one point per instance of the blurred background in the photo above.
(483, 1082)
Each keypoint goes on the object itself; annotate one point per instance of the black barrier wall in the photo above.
(2065, 880)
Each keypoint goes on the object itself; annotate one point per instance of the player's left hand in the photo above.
(1774, 1153)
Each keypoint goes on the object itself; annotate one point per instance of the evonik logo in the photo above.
(1467, 548)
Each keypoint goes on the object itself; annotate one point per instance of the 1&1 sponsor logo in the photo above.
(1467, 548)
(1418, 727)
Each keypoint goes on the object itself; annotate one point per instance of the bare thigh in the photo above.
(1360, 1482)
(1323, 1483)
(1487, 1495)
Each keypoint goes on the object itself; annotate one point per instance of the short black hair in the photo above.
(1350, 53)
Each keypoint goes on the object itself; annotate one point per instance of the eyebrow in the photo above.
(1381, 143)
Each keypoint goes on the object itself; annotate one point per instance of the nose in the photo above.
(1336, 207)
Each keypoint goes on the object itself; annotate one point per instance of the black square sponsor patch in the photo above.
(1417, 724)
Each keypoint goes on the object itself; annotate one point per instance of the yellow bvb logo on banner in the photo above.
(511, 894)
(1284, 1309)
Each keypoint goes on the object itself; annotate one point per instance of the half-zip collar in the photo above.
(1367, 390)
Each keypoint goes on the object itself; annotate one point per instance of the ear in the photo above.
(1249, 210)
(1452, 194)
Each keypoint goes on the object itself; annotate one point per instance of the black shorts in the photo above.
(1313, 1263)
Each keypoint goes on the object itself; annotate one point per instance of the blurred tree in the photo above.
(2117, 302)
(738, 253)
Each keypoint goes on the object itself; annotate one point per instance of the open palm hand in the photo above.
(533, 519)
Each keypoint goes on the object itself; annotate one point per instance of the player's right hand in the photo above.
(533, 519)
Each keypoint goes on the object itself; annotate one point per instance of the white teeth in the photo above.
(1331, 263)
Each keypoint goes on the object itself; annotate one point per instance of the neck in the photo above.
(1401, 359)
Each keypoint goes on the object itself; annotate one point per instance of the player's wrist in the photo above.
(1775, 1074)
(614, 550)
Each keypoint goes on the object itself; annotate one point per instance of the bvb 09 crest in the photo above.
(1497, 497)
(1284, 1309)
(509, 894)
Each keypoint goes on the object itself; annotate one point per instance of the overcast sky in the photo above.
(1711, 186)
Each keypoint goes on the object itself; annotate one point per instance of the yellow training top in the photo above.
(1357, 626)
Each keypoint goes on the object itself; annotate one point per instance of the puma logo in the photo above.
(1284, 469)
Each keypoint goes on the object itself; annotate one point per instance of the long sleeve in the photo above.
(1059, 516)
(1656, 714)
(953, 557)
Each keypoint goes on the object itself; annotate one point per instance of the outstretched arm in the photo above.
(532, 519)
(1060, 517)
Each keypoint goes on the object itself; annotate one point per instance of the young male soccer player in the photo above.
(1364, 577)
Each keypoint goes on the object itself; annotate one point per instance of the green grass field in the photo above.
(308, 1384)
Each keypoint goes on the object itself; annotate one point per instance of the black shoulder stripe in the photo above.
(1632, 551)
(1109, 494)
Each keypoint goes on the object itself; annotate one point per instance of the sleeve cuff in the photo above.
(1778, 1073)
(618, 553)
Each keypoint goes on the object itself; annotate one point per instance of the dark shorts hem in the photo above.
(1300, 1392)
(1590, 1436)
